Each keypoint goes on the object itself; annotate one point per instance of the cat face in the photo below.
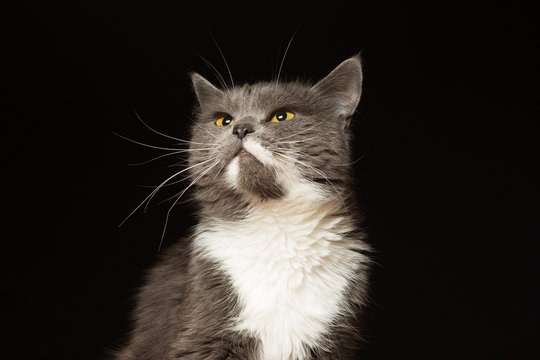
(262, 141)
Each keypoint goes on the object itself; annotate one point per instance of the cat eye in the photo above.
(224, 120)
(282, 115)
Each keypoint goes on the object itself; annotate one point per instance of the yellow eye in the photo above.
(282, 115)
(224, 120)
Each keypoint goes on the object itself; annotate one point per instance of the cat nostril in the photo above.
(242, 130)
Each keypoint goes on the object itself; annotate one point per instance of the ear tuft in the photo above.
(206, 92)
(342, 88)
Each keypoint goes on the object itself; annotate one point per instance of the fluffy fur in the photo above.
(277, 268)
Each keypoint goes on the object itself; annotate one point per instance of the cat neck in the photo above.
(304, 216)
(303, 204)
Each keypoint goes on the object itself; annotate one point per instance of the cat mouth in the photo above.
(253, 150)
(243, 153)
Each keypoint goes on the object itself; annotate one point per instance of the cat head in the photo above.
(272, 140)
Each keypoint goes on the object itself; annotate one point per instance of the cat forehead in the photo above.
(261, 96)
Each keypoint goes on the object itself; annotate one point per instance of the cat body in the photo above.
(277, 268)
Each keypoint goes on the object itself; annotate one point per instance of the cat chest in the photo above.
(290, 277)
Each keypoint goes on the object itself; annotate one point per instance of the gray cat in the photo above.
(276, 268)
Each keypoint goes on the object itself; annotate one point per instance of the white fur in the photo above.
(232, 172)
(260, 153)
(289, 262)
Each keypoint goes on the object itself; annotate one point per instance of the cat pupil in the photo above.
(227, 120)
(282, 115)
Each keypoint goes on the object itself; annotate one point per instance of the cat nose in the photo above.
(241, 130)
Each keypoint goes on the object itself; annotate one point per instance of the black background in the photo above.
(447, 128)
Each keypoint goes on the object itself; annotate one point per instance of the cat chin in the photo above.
(252, 172)
(253, 179)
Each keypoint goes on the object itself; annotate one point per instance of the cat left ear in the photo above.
(206, 92)
(342, 87)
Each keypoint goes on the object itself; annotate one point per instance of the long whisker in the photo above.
(151, 195)
(169, 154)
(208, 190)
(205, 130)
(320, 172)
(171, 184)
(355, 161)
(198, 143)
(219, 171)
(182, 141)
(284, 169)
(154, 130)
(143, 144)
(161, 185)
(178, 198)
(284, 55)
(299, 141)
(154, 159)
(187, 177)
(221, 53)
(182, 162)
(218, 75)
(176, 182)
(298, 133)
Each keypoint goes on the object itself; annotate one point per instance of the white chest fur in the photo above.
(290, 264)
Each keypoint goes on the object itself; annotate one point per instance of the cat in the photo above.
(277, 266)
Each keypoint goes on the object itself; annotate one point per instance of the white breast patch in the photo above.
(290, 264)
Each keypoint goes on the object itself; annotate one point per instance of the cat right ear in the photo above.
(342, 88)
(206, 92)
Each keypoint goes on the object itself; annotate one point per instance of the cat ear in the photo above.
(205, 91)
(342, 87)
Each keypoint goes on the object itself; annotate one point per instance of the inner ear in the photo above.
(342, 88)
(207, 93)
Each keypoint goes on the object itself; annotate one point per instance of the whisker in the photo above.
(178, 198)
(208, 190)
(205, 130)
(155, 131)
(299, 141)
(355, 161)
(143, 144)
(182, 141)
(151, 195)
(298, 133)
(187, 177)
(183, 179)
(284, 169)
(221, 53)
(284, 55)
(166, 185)
(170, 154)
(198, 143)
(154, 159)
(218, 75)
(179, 163)
(176, 182)
(219, 171)
(320, 172)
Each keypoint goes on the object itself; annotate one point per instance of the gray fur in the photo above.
(187, 304)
